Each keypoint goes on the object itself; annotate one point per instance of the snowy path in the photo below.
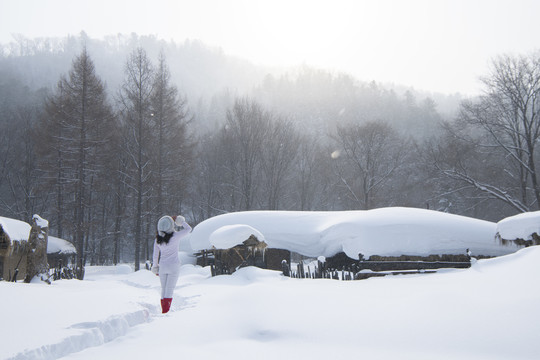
(487, 312)
(47, 322)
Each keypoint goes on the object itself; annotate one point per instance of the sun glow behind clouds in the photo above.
(408, 42)
(272, 32)
(437, 45)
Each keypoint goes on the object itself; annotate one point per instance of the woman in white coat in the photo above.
(166, 263)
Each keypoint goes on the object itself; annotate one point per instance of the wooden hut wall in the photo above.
(12, 262)
(274, 257)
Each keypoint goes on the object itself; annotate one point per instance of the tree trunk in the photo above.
(37, 255)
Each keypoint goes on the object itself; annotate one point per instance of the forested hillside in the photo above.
(102, 137)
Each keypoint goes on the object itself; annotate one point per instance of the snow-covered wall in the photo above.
(386, 232)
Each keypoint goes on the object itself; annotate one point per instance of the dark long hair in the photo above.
(163, 239)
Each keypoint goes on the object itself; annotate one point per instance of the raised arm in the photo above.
(186, 228)
(181, 221)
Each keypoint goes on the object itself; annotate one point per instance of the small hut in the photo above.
(14, 236)
(60, 253)
(237, 246)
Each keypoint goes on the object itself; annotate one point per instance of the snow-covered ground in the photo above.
(489, 311)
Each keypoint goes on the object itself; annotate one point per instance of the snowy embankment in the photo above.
(387, 232)
(489, 311)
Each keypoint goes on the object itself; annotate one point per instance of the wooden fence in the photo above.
(366, 269)
(339, 267)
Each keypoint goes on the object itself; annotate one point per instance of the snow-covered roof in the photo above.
(231, 235)
(16, 230)
(386, 232)
(520, 226)
(59, 246)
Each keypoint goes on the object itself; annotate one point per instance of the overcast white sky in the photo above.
(433, 45)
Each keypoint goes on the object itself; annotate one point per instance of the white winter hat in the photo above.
(165, 225)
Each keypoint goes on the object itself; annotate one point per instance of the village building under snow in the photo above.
(396, 233)
(14, 236)
(15, 248)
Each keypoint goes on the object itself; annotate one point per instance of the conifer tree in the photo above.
(77, 131)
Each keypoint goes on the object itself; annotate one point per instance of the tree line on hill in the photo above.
(103, 163)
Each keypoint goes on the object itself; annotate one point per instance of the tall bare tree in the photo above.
(172, 150)
(23, 176)
(508, 119)
(244, 133)
(372, 152)
(280, 149)
(135, 98)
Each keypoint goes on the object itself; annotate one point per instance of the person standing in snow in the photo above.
(166, 263)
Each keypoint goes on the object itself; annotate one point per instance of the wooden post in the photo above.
(301, 273)
(285, 268)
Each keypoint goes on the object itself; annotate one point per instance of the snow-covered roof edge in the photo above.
(521, 226)
(60, 246)
(17, 230)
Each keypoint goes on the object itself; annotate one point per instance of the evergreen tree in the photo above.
(77, 131)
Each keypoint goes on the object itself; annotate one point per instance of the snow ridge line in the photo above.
(91, 334)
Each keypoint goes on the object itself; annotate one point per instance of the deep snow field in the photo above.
(490, 311)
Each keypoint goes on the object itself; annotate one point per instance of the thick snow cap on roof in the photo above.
(386, 232)
(59, 246)
(520, 226)
(231, 235)
(16, 230)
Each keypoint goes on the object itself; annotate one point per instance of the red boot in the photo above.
(164, 307)
(168, 302)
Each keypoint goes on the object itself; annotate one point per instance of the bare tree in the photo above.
(172, 150)
(212, 181)
(508, 118)
(309, 179)
(372, 152)
(23, 177)
(280, 149)
(135, 98)
(244, 134)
